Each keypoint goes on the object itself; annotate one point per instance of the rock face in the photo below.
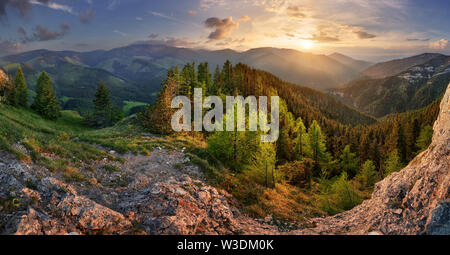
(415, 200)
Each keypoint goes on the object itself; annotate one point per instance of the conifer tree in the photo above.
(21, 89)
(105, 114)
(227, 77)
(424, 139)
(349, 162)
(392, 163)
(368, 175)
(215, 90)
(300, 139)
(45, 102)
(316, 146)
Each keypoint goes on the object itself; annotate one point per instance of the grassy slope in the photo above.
(68, 148)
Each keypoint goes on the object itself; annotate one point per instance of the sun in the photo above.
(307, 44)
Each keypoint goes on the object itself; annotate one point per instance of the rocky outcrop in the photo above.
(415, 200)
(156, 194)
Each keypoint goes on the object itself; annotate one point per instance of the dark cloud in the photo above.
(86, 16)
(322, 37)
(41, 33)
(9, 47)
(418, 40)
(153, 36)
(23, 6)
(295, 11)
(171, 41)
(22, 32)
(364, 35)
(223, 27)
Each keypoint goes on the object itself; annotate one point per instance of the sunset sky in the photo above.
(364, 29)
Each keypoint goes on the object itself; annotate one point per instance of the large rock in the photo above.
(415, 200)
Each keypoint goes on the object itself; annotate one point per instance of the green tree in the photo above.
(300, 139)
(368, 175)
(425, 137)
(105, 114)
(45, 102)
(316, 148)
(392, 163)
(349, 162)
(21, 89)
(227, 77)
(157, 117)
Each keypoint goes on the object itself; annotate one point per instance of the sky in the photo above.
(363, 29)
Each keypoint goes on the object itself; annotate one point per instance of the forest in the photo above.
(328, 156)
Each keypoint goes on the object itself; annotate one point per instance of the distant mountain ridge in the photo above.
(358, 65)
(414, 88)
(148, 63)
(390, 68)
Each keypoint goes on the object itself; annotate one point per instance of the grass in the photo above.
(128, 105)
(55, 145)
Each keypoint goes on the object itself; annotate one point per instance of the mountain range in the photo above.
(134, 73)
(142, 66)
(414, 86)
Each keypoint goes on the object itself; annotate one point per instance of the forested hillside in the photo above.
(318, 151)
(411, 89)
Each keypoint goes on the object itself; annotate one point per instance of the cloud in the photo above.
(25, 6)
(295, 11)
(55, 6)
(322, 37)
(139, 19)
(41, 33)
(113, 4)
(206, 4)
(364, 35)
(162, 15)
(439, 45)
(417, 40)
(85, 17)
(120, 33)
(9, 47)
(245, 18)
(192, 12)
(153, 36)
(170, 41)
(223, 27)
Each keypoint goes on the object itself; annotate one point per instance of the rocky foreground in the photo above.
(161, 194)
(156, 194)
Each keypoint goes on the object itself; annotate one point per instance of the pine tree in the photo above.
(105, 114)
(316, 146)
(425, 137)
(368, 175)
(157, 117)
(227, 77)
(300, 139)
(392, 163)
(21, 89)
(217, 82)
(349, 162)
(45, 102)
